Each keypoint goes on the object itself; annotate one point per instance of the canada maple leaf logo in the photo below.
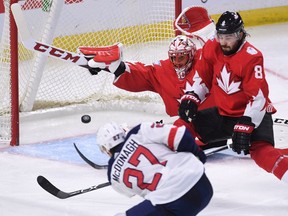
(225, 84)
(188, 87)
(198, 82)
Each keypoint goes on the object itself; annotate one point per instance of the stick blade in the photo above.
(92, 164)
(50, 188)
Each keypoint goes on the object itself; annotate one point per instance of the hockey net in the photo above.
(49, 84)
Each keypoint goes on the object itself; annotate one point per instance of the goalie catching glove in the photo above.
(108, 58)
(195, 22)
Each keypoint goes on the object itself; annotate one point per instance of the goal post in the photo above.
(9, 110)
(32, 82)
(14, 82)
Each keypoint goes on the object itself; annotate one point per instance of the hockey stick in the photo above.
(208, 152)
(98, 166)
(280, 121)
(213, 151)
(50, 188)
(30, 43)
(94, 165)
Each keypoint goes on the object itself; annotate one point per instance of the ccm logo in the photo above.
(281, 121)
(56, 52)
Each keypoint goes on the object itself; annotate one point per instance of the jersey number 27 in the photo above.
(138, 174)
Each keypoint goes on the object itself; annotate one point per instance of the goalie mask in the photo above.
(109, 136)
(181, 53)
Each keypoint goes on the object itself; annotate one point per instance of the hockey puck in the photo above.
(86, 119)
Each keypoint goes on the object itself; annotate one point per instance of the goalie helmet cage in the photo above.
(33, 83)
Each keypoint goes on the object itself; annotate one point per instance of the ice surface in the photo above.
(241, 188)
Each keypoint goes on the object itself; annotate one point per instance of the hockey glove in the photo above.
(188, 106)
(241, 135)
(108, 58)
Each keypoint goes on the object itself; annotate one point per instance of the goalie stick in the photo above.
(30, 43)
(50, 188)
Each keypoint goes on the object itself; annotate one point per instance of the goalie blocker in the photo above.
(108, 58)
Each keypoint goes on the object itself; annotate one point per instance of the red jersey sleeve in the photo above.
(255, 87)
(159, 77)
(137, 77)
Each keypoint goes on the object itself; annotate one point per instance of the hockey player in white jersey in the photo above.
(160, 163)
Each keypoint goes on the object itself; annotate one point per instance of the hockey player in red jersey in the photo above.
(170, 78)
(234, 69)
(159, 162)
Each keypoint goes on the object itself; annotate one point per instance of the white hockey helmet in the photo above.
(181, 53)
(109, 136)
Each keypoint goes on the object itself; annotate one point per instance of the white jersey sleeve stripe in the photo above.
(171, 138)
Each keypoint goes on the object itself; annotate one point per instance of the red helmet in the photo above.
(181, 53)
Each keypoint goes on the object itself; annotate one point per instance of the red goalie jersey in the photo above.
(160, 78)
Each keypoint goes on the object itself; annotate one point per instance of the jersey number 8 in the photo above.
(258, 72)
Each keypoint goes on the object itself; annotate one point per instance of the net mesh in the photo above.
(45, 83)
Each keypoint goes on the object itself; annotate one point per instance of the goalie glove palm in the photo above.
(108, 58)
